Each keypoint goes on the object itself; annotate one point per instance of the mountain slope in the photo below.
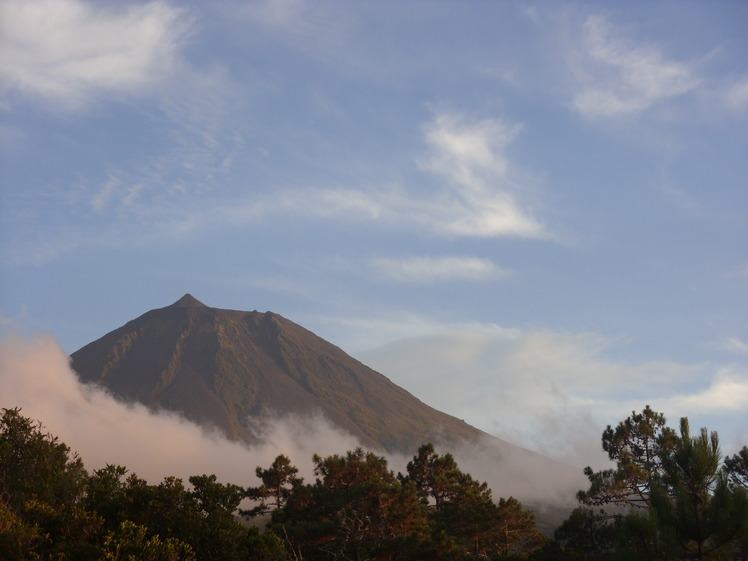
(232, 369)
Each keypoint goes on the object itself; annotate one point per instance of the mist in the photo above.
(555, 392)
(35, 375)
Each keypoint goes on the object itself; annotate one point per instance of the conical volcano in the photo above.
(231, 369)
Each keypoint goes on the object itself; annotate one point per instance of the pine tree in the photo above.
(637, 445)
(277, 482)
(682, 501)
(695, 503)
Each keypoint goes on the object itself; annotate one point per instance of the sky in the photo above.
(531, 215)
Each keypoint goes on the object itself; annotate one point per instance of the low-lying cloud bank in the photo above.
(555, 392)
(35, 375)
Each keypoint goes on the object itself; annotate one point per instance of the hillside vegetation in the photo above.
(674, 500)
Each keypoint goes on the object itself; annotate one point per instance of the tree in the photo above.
(696, 504)
(265, 546)
(637, 445)
(17, 537)
(470, 516)
(681, 502)
(466, 523)
(41, 484)
(35, 464)
(219, 533)
(277, 482)
(51, 509)
(516, 533)
(736, 467)
(133, 542)
(105, 493)
(587, 531)
(355, 509)
(436, 477)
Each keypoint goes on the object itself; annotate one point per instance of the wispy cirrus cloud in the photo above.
(736, 345)
(619, 77)
(471, 157)
(436, 269)
(69, 52)
(469, 152)
(70, 55)
(284, 15)
(475, 197)
(737, 94)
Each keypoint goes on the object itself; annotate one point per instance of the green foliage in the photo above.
(41, 483)
(51, 509)
(358, 509)
(680, 501)
(588, 531)
(277, 482)
(436, 477)
(105, 494)
(217, 533)
(355, 509)
(35, 464)
(265, 546)
(696, 506)
(17, 537)
(132, 542)
(637, 445)
(736, 467)
(517, 533)
(464, 519)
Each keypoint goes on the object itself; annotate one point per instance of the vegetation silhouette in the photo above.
(670, 497)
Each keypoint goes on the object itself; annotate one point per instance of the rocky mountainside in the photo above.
(232, 369)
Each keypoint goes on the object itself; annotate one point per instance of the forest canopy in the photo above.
(671, 495)
(356, 508)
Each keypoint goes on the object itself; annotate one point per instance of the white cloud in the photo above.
(737, 94)
(619, 77)
(35, 375)
(465, 152)
(477, 198)
(727, 391)
(471, 157)
(736, 345)
(383, 327)
(554, 391)
(166, 196)
(436, 269)
(70, 51)
(285, 15)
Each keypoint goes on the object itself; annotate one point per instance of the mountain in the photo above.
(236, 370)
(233, 369)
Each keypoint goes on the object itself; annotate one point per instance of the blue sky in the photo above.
(532, 215)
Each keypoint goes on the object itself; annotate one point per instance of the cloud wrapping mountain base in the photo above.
(35, 375)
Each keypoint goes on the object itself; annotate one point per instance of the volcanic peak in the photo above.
(188, 301)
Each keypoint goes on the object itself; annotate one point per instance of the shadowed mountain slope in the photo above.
(232, 369)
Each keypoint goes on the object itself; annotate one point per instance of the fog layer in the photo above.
(35, 375)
